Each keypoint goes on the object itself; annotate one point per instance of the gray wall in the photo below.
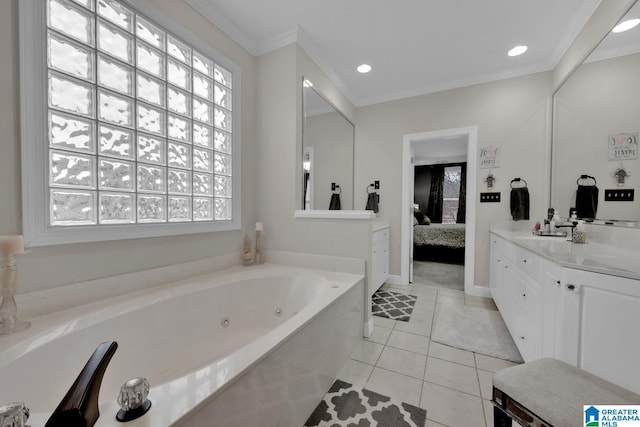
(279, 170)
(512, 114)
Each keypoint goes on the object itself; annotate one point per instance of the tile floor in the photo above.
(400, 360)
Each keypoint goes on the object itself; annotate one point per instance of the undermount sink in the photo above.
(550, 234)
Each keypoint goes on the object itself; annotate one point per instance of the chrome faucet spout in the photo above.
(79, 408)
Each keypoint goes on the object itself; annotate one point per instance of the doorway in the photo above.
(412, 144)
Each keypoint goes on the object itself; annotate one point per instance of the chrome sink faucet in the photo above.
(570, 224)
(79, 407)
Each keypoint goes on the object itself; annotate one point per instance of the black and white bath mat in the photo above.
(346, 405)
(393, 305)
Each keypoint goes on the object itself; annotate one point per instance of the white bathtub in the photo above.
(289, 332)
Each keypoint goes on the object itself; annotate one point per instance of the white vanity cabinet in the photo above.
(379, 258)
(588, 319)
(515, 288)
(603, 332)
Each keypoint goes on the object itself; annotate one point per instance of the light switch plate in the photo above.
(619, 195)
(490, 197)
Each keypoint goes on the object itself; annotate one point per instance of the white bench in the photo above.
(549, 392)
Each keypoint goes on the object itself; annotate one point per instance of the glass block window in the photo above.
(139, 121)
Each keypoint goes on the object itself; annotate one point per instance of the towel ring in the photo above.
(518, 180)
(586, 177)
(371, 186)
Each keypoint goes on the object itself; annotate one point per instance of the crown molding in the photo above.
(224, 24)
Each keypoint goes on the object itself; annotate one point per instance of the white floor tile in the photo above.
(452, 375)
(451, 292)
(488, 413)
(385, 322)
(355, 372)
(450, 407)
(423, 314)
(450, 300)
(480, 302)
(409, 342)
(367, 352)
(486, 384)
(395, 385)
(426, 292)
(403, 362)
(491, 364)
(451, 354)
(425, 304)
(380, 335)
(415, 326)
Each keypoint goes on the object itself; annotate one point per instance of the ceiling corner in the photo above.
(225, 24)
(305, 42)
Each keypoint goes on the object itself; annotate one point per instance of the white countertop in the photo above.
(592, 256)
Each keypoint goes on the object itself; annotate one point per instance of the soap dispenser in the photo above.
(579, 234)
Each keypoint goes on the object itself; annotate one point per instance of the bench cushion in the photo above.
(556, 391)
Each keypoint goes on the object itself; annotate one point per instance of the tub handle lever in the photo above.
(79, 408)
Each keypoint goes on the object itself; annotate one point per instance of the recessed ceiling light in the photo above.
(364, 68)
(518, 50)
(626, 25)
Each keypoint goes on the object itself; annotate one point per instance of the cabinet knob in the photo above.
(571, 287)
(524, 260)
(558, 282)
(524, 295)
(522, 338)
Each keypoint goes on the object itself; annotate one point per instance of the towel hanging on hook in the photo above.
(518, 180)
(519, 202)
(373, 199)
(334, 204)
(586, 197)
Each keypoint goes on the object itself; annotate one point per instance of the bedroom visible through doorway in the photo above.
(436, 181)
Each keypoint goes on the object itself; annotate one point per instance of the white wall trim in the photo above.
(395, 279)
(224, 24)
(407, 203)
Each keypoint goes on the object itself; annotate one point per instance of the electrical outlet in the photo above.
(490, 197)
(619, 195)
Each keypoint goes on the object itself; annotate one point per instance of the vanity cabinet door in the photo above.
(603, 313)
(379, 258)
(501, 280)
(551, 279)
(528, 320)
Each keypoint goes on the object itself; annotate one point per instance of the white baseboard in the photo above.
(395, 279)
(482, 291)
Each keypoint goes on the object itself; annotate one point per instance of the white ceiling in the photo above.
(414, 46)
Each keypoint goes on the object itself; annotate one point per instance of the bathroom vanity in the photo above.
(576, 302)
(379, 256)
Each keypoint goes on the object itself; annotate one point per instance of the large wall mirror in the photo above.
(327, 150)
(596, 126)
